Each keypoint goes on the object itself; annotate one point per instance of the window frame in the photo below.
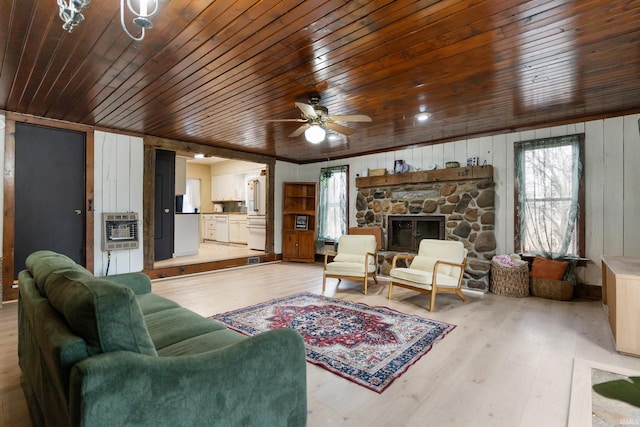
(581, 216)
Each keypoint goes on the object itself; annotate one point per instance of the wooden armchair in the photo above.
(438, 267)
(355, 260)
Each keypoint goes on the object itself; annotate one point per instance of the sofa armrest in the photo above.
(139, 283)
(258, 381)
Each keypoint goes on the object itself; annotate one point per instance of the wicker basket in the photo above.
(551, 289)
(510, 281)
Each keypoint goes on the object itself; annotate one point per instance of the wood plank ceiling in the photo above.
(211, 72)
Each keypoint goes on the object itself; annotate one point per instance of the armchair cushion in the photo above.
(355, 269)
(421, 277)
(356, 245)
(351, 258)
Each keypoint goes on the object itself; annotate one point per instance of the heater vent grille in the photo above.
(120, 231)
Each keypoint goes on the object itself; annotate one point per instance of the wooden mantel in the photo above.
(437, 175)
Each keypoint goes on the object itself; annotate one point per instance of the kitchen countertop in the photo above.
(225, 213)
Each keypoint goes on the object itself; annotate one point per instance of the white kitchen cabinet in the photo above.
(238, 228)
(227, 187)
(208, 227)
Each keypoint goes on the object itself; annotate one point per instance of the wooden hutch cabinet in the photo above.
(299, 221)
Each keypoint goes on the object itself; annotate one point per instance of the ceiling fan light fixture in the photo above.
(423, 116)
(315, 134)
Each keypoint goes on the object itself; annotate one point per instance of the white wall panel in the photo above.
(631, 192)
(118, 179)
(594, 208)
(613, 186)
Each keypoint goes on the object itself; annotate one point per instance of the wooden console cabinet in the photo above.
(621, 299)
(299, 221)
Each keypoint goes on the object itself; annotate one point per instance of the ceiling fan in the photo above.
(317, 120)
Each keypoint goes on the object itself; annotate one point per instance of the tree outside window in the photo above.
(332, 204)
(550, 197)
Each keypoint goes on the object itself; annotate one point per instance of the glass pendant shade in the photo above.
(315, 134)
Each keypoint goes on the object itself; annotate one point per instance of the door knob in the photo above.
(78, 211)
(166, 210)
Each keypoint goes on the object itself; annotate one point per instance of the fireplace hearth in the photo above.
(404, 232)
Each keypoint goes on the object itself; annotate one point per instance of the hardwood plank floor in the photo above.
(509, 362)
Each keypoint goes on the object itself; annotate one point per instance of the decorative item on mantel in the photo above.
(400, 166)
(377, 172)
(509, 276)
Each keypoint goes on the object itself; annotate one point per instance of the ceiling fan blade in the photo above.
(307, 110)
(300, 130)
(351, 118)
(339, 128)
(285, 120)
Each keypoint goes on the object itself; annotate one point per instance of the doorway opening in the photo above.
(220, 219)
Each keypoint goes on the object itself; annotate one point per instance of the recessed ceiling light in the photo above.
(423, 116)
(198, 156)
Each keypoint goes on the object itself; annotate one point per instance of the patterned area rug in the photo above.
(371, 346)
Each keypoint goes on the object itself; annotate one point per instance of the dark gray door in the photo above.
(165, 201)
(49, 192)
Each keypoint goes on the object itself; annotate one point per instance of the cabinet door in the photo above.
(216, 188)
(306, 245)
(290, 244)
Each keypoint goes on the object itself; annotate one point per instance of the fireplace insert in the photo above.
(404, 232)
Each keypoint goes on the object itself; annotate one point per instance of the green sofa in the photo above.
(108, 352)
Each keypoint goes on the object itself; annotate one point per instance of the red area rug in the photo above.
(371, 346)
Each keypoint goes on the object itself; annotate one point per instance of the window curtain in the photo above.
(332, 203)
(548, 175)
(191, 200)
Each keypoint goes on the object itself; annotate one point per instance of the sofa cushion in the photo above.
(203, 343)
(152, 303)
(170, 326)
(105, 314)
(43, 263)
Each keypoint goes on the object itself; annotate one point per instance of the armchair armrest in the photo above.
(452, 264)
(258, 381)
(375, 259)
(327, 254)
(401, 256)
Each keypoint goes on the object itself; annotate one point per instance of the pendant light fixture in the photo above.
(71, 12)
(147, 8)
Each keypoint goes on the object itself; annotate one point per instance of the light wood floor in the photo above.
(509, 362)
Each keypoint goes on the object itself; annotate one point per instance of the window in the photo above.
(550, 197)
(332, 206)
(191, 200)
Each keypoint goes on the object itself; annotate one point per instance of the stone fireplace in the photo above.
(451, 204)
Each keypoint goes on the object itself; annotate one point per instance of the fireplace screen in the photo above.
(404, 233)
